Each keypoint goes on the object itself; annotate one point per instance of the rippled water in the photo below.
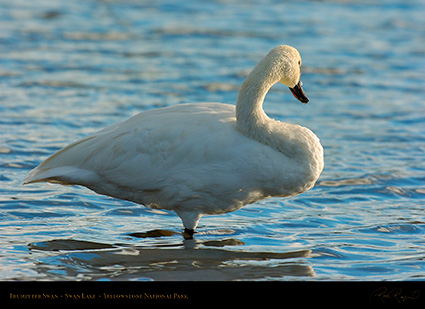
(70, 68)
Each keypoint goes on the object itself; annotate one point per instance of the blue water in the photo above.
(70, 68)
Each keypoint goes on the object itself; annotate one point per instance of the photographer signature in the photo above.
(397, 294)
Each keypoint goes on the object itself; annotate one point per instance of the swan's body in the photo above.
(199, 159)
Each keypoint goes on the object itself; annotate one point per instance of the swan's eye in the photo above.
(299, 62)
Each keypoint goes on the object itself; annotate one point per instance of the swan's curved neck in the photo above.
(250, 116)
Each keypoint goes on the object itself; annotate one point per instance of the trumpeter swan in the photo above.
(199, 159)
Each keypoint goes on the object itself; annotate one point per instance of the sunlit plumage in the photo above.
(199, 159)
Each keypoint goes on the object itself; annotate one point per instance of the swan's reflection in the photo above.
(189, 242)
(190, 259)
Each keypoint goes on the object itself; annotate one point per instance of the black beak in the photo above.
(299, 93)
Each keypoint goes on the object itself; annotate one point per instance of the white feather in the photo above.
(197, 159)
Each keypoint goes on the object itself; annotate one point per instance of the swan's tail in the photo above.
(63, 167)
(65, 175)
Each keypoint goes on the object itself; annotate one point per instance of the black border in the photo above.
(205, 293)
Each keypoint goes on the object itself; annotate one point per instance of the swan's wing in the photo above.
(183, 158)
(140, 153)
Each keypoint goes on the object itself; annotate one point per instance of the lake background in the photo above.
(70, 68)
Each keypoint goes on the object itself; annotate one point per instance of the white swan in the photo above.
(199, 159)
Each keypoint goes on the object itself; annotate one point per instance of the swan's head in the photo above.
(284, 64)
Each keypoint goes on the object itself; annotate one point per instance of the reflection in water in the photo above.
(154, 233)
(189, 259)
